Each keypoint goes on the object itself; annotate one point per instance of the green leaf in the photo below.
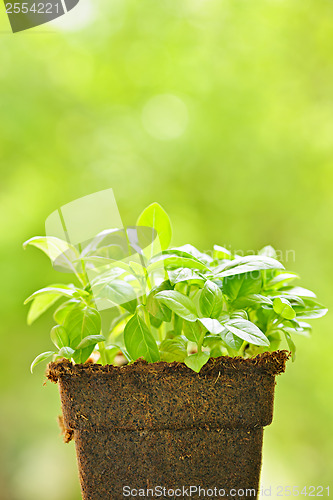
(211, 300)
(110, 264)
(247, 264)
(291, 344)
(173, 262)
(221, 253)
(196, 361)
(280, 280)
(194, 252)
(60, 252)
(300, 291)
(40, 358)
(240, 313)
(252, 300)
(139, 340)
(283, 307)
(59, 290)
(311, 309)
(154, 216)
(59, 336)
(186, 251)
(311, 313)
(157, 308)
(212, 325)
(66, 352)
(242, 284)
(185, 274)
(294, 300)
(215, 345)
(173, 350)
(268, 251)
(231, 340)
(116, 291)
(247, 331)
(192, 331)
(61, 312)
(41, 304)
(155, 322)
(79, 323)
(178, 324)
(180, 304)
(90, 340)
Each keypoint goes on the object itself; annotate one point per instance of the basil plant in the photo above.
(135, 297)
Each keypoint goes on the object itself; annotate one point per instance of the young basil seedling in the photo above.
(172, 304)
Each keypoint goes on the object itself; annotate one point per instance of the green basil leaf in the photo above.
(247, 264)
(40, 358)
(60, 252)
(185, 274)
(155, 307)
(59, 336)
(280, 280)
(192, 331)
(221, 253)
(40, 304)
(90, 340)
(154, 216)
(231, 340)
(313, 309)
(178, 324)
(300, 291)
(66, 352)
(212, 325)
(242, 284)
(186, 251)
(211, 300)
(155, 322)
(283, 307)
(139, 340)
(59, 290)
(79, 323)
(194, 252)
(173, 350)
(294, 300)
(173, 262)
(252, 300)
(116, 291)
(196, 361)
(241, 313)
(215, 345)
(61, 312)
(268, 251)
(247, 331)
(180, 304)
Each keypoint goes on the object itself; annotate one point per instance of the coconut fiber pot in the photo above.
(143, 426)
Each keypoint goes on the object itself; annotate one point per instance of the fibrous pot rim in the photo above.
(272, 363)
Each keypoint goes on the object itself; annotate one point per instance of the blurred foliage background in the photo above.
(220, 110)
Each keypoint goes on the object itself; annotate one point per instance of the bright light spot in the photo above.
(79, 17)
(165, 117)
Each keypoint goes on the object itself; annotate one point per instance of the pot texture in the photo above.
(143, 426)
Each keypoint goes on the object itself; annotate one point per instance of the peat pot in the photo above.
(143, 426)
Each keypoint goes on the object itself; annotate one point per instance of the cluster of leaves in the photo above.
(170, 304)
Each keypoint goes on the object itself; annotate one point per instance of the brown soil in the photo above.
(145, 425)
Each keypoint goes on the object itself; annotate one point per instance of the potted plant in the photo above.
(174, 390)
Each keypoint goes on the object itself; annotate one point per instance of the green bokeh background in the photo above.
(222, 111)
